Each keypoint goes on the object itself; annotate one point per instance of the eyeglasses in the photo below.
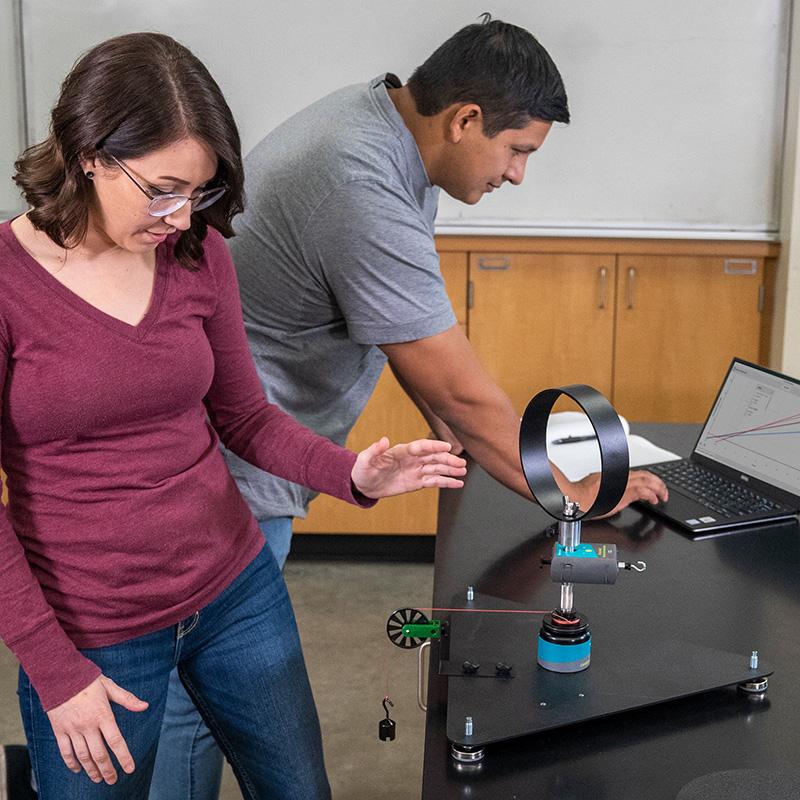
(162, 205)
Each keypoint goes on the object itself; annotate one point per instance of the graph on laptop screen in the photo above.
(754, 427)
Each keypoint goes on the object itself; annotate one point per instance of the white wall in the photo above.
(677, 105)
(11, 117)
(785, 352)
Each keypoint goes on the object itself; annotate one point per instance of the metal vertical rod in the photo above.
(569, 531)
(422, 700)
(566, 598)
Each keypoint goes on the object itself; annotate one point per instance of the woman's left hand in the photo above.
(383, 471)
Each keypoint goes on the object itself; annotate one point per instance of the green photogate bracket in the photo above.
(423, 630)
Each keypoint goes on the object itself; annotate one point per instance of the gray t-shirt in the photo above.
(335, 255)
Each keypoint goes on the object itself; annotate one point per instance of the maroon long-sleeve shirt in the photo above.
(123, 518)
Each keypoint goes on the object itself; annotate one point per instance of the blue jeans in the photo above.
(240, 660)
(278, 533)
(189, 763)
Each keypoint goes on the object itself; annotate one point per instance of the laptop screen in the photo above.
(754, 426)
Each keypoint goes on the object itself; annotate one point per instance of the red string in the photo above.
(386, 666)
(485, 610)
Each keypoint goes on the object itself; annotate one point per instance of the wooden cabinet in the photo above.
(680, 320)
(538, 320)
(654, 333)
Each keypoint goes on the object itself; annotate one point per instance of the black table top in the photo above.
(737, 592)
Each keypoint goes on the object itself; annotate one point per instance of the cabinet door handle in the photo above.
(602, 274)
(494, 263)
(740, 266)
(631, 282)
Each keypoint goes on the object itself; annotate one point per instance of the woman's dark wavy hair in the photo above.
(500, 67)
(127, 97)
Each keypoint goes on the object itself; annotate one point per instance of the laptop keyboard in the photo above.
(721, 495)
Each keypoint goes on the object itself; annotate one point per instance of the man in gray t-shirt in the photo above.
(338, 272)
(336, 259)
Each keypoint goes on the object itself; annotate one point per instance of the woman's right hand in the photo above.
(85, 724)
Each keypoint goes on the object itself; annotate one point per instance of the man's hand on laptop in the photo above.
(642, 485)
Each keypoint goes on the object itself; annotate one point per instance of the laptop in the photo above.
(745, 467)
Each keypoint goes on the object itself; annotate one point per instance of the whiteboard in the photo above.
(677, 106)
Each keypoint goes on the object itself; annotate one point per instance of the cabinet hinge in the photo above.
(470, 294)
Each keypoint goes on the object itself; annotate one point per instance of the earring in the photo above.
(89, 175)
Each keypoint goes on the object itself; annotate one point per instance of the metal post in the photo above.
(566, 598)
(569, 531)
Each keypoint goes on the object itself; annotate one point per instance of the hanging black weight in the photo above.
(387, 730)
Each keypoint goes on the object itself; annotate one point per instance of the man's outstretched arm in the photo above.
(445, 373)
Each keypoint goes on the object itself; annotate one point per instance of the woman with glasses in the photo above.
(126, 548)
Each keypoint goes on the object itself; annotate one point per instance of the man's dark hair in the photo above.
(498, 66)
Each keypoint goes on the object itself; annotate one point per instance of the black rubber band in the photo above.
(614, 460)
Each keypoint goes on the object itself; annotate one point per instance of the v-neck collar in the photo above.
(136, 332)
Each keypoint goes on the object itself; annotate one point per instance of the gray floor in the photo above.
(341, 609)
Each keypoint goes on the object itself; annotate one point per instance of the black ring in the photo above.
(614, 460)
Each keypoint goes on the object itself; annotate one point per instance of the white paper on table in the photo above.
(577, 459)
